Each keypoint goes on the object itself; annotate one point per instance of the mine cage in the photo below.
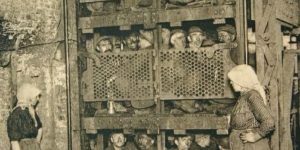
(115, 86)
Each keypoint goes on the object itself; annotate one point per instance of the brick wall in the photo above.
(5, 91)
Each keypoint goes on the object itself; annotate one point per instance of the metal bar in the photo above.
(90, 1)
(66, 40)
(245, 31)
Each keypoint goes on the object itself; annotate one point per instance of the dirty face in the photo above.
(203, 140)
(225, 37)
(179, 40)
(196, 38)
(132, 42)
(145, 142)
(184, 143)
(104, 46)
(118, 139)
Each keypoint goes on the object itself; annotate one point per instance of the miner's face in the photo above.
(179, 40)
(118, 139)
(132, 42)
(203, 140)
(225, 37)
(196, 38)
(104, 46)
(145, 142)
(183, 143)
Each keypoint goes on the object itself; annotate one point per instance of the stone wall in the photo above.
(44, 67)
(39, 61)
(5, 103)
(33, 22)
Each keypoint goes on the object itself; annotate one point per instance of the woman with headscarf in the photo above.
(251, 120)
(23, 125)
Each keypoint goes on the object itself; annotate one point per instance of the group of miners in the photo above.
(177, 39)
(143, 141)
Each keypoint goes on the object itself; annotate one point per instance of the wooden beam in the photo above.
(240, 30)
(75, 123)
(275, 45)
(286, 92)
(260, 59)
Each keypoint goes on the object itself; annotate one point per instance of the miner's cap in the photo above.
(227, 28)
(195, 29)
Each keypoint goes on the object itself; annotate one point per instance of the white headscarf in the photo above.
(26, 94)
(245, 76)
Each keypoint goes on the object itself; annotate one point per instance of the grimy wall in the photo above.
(36, 26)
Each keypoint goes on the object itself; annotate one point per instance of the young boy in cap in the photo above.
(104, 44)
(196, 37)
(178, 39)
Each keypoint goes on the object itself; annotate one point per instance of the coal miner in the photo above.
(144, 142)
(146, 39)
(196, 37)
(118, 142)
(104, 44)
(204, 142)
(178, 39)
(183, 142)
(132, 42)
(226, 33)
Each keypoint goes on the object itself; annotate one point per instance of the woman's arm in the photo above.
(39, 135)
(15, 145)
(262, 114)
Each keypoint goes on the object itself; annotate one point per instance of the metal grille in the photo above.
(124, 76)
(191, 74)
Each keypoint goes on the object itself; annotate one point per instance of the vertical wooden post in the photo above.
(260, 59)
(286, 101)
(240, 26)
(275, 81)
(73, 76)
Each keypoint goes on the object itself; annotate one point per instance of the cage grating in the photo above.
(191, 74)
(124, 76)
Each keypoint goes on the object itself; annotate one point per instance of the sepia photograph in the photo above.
(149, 74)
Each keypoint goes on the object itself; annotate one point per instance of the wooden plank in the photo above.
(286, 92)
(270, 57)
(200, 13)
(260, 59)
(74, 124)
(269, 10)
(176, 15)
(151, 122)
(275, 82)
(239, 23)
(268, 75)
